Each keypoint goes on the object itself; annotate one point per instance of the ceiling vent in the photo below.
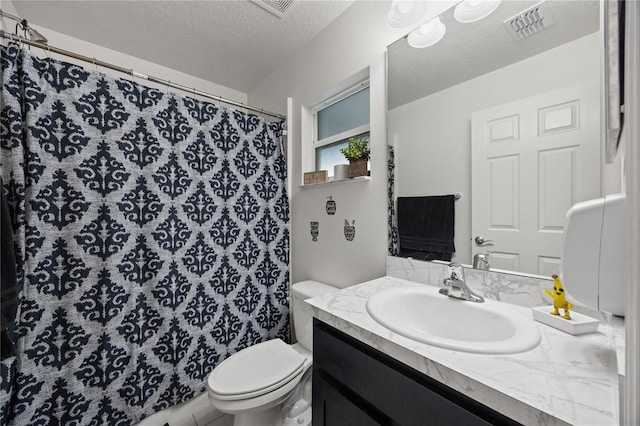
(277, 7)
(529, 22)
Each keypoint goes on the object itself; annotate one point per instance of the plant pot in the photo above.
(358, 167)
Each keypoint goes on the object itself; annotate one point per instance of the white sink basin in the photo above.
(424, 315)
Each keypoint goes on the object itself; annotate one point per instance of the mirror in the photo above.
(445, 99)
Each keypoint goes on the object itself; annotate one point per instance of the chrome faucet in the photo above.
(481, 261)
(454, 286)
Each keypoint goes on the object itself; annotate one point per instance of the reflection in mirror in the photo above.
(512, 125)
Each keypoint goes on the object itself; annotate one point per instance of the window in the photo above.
(337, 120)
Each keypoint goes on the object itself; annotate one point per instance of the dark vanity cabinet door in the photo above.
(355, 384)
(340, 408)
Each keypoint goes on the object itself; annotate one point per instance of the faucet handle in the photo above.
(457, 272)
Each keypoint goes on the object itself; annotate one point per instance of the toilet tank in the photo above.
(302, 313)
(592, 265)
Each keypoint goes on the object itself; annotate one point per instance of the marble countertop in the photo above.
(565, 380)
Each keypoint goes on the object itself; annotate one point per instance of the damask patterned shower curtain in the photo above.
(152, 239)
(392, 222)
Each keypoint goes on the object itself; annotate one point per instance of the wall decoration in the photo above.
(349, 230)
(331, 206)
(319, 176)
(314, 230)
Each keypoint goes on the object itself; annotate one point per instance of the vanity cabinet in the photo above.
(355, 384)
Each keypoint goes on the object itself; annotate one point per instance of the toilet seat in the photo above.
(256, 371)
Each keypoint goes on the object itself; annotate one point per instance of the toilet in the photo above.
(269, 384)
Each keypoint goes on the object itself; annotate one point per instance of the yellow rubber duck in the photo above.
(559, 300)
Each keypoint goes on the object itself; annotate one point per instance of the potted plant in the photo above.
(357, 152)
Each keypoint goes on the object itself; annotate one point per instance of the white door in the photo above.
(531, 161)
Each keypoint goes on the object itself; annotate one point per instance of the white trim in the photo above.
(307, 151)
(351, 85)
(340, 136)
(351, 90)
(340, 87)
(631, 409)
(291, 128)
(291, 160)
(358, 87)
(330, 182)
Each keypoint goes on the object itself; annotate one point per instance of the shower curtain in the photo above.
(392, 222)
(151, 236)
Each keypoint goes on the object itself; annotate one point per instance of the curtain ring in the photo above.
(20, 43)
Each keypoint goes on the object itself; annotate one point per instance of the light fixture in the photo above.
(406, 13)
(474, 10)
(427, 34)
(29, 32)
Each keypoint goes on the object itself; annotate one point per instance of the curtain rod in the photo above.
(133, 73)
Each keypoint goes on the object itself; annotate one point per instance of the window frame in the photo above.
(365, 128)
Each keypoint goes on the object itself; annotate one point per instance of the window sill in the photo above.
(337, 182)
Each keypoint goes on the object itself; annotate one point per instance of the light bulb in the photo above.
(406, 13)
(429, 26)
(475, 10)
(427, 34)
(405, 6)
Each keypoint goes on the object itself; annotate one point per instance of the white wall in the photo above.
(432, 135)
(91, 50)
(356, 41)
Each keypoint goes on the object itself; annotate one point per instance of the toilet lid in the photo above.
(256, 370)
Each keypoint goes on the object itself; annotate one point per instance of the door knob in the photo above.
(481, 241)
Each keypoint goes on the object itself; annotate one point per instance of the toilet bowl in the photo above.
(268, 384)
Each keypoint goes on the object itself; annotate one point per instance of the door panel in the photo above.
(531, 161)
(504, 177)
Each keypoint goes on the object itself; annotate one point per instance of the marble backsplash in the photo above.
(526, 291)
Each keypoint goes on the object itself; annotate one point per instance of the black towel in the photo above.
(426, 227)
(8, 280)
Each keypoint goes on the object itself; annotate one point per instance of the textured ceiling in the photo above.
(470, 50)
(232, 43)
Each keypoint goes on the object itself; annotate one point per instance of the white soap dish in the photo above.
(578, 324)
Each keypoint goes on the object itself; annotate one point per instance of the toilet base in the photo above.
(272, 417)
(269, 417)
(303, 419)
